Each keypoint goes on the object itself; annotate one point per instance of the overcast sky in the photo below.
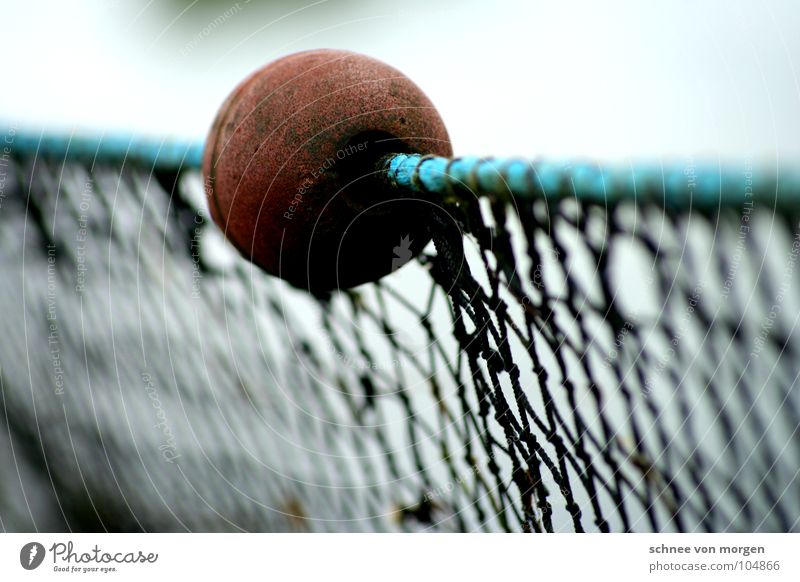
(561, 79)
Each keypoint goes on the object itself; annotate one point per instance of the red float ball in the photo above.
(290, 167)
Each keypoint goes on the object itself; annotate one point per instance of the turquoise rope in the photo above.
(113, 150)
(675, 186)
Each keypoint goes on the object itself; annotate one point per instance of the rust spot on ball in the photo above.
(290, 160)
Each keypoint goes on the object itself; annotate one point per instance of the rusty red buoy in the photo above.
(290, 160)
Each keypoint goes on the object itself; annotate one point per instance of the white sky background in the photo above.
(560, 79)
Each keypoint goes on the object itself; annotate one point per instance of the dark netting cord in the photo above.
(582, 197)
(573, 362)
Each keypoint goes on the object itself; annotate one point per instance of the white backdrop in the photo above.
(562, 79)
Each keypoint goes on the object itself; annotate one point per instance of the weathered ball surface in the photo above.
(290, 167)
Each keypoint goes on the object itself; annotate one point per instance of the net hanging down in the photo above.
(579, 348)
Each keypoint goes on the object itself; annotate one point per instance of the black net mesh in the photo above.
(542, 367)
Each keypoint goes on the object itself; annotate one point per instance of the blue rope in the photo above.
(674, 186)
(114, 150)
(702, 187)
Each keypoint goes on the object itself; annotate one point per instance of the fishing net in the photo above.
(555, 364)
